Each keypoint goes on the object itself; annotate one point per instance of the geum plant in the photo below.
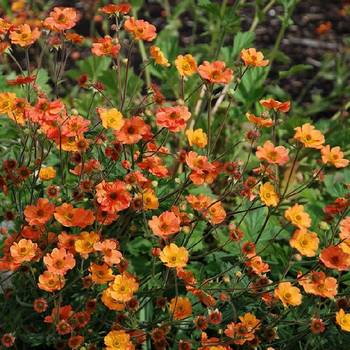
(123, 227)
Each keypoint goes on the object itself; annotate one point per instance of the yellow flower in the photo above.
(268, 195)
(186, 65)
(309, 136)
(305, 242)
(174, 256)
(85, 243)
(7, 102)
(123, 287)
(150, 200)
(288, 294)
(118, 340)
(111, 118)
(47, 173)
(297, 216)
(197, 137)
(253, 58)
(343, 320)
(110, 302)
(180, 308)
(158, 56)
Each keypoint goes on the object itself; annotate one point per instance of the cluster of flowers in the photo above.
(69, 239)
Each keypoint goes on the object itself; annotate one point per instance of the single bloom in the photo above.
(173, 118)
(40, 213)
(165, 225)
(197, 138)
(118, 340)
(111, 118)
(61, 19)
(343, 320)
(173, 256)
(253, 58)
(260, 122)
(47, 173)
(277, 106)
(272, 154)
(159, 56)
(305, 242)
(101, 274)
(123, 287)
(105, 47)
(84, 244)
(59, 261)
(180, 308)
(24, 36)
(24, 250)
(334, 156)
(186, 65)
(50, 282)
(309, 136)
(133, 130)
(288, 294)
(297, 216)
(140, 29)
(215, 72)
(334, 257)
(268, 195)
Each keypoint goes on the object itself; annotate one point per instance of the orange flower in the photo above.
(215, 213)
(333, 257)
(268, 195)
(165, 225)
(186, 65)
(110, 302)
(334, 156)
(69, 216)
(173, 118)
(111, 118)
(59, 261)
(111, 255)
(67, 241)
(317, 283)
(24, 36)
(197, 137)
(277, 106)
(84, 245)
(123, 287)
(180, 308)
(288, 294)
(105, 47)
(140, 29)
(146, 200)
(24, 250)
(118, 340)
(259, 121)
(112, 9)
(343, 320)
(305, 242)
(253, 58)
(271, 154)
(61, 19)
(215, 72)
(158, 56)
(309, 136)
(40, 213)
(250, 321)
(202, 170)
(50, 282)
(47, 173)
(173, 256)
(113, 196)
(133, 131)
(297, 216)
(257, 265)
(101, 274)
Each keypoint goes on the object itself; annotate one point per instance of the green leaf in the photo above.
(299, 68)
(241, 41)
